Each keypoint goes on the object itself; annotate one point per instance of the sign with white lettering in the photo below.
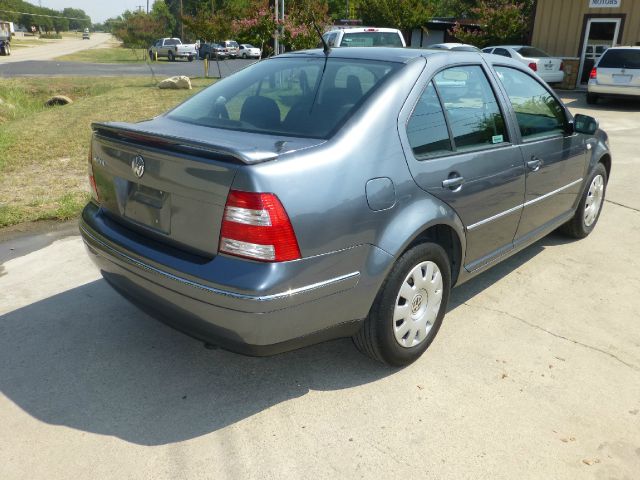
(604, 3)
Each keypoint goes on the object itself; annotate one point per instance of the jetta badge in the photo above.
(137, 165)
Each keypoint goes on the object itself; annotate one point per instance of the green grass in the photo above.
(43, 151)
(106, 55)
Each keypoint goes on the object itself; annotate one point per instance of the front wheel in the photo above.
(410, 307)
(191, 58)
(171, 57)
(590, 206)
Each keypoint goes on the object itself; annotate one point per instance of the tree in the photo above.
(501, 21)
(74, 13)
(138, 30)
(401, 14)
(160, 12)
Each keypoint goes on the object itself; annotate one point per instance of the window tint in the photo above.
(531, 52)
(502, 51)
(371, 39)
(487, 50)
(620, 59)
(426, 129)
(307, 97)
(538, 112)
(171, 41)
(471, 106)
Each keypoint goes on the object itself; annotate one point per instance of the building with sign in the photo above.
(584, 29)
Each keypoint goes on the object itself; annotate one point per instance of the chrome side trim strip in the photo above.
(547, 195)
(522, 205)
(495, 217)
(217, 291)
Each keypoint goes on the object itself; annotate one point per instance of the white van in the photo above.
(364, 37)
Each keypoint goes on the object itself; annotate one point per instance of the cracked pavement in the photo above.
(534, 374)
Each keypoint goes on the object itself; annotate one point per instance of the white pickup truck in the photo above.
(173, 48)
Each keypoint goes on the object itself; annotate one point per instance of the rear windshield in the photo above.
(371, 39)
(302, 97)
(620, 59)
(531, 52)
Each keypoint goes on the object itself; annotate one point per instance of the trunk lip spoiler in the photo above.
(132, 132)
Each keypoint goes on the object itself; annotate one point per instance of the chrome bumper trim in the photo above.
(240, 296)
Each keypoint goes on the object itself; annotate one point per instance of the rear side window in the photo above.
(427, 128)
(306, 97)
(539, 114)
(471, 107)
(620, 59)
(502, 51)
(371, 39)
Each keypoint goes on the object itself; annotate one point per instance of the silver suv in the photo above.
(616, 73)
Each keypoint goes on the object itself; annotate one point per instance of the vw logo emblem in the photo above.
(416, 303)
(137, 165)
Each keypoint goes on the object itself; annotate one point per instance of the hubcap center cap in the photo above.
(418, 302)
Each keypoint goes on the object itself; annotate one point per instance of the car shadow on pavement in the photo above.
(89, 360)
(578, 99)
(476, 285)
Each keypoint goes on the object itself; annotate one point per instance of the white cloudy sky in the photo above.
(98, 10)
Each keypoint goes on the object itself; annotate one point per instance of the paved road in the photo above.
(535, 374)
(54, 49)
(161, 68)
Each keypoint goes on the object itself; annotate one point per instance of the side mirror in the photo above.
(585, 124)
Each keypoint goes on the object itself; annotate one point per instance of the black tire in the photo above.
(191, 58)
(150, 55)
(244, 55)
(3, 51)
(592, 98)
(170, 56)
(577, 227)
(376, 338)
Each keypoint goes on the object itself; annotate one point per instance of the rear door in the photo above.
(461, 152)
(620, 67)
(555, 161)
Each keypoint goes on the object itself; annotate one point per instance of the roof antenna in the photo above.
(325, 46)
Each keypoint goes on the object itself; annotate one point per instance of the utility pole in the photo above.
(213, 8)
(147, 7)
(181, 23)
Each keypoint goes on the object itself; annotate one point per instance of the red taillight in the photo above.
(594, 73)
(533, 66)
(256, 226)
(92, 180)
(562, 66)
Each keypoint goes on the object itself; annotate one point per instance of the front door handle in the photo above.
(453, 183)
(534, 164)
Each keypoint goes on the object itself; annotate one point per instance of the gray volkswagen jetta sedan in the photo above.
(320, 195)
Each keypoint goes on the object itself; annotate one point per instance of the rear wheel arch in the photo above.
(445, 236)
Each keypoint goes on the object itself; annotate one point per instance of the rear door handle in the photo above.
(534, 164)
(453, 183)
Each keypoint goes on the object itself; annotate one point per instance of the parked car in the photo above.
(616, 73)
(232, 47)
(550, 69)
(173, 48)
(364, 37)
(455, 46)
(345, 198)
(212, 51)
(5, 38)
(249, 51)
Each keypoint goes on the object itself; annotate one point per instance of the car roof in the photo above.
(363, 29)
(400, 55)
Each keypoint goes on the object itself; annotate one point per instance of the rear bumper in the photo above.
(551, 77)
(326, 296)
(622, 90)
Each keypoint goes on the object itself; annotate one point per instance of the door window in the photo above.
(472, 110)
(539, 114)
(427, 129)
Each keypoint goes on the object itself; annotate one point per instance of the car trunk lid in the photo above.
(170, 180)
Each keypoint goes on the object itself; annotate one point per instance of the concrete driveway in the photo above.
(534, 375)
